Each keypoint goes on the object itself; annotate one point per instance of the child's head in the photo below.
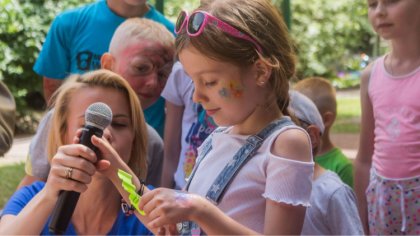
(257, 44)
(127, 132)
(308, 117)
(141, 51)
(392, 19)
(322, 93)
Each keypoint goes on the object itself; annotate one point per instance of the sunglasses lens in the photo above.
(195, 22)
(180, 21)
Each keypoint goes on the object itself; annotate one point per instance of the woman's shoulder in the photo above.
(33, 188)
(21, 197)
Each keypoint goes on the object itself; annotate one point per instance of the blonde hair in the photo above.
(140, 29)
(320, 91)
(103, 79)
(259, 20)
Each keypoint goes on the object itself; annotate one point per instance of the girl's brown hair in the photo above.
(263, 22)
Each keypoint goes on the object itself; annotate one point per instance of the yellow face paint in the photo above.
(234, 89)
(131, 190)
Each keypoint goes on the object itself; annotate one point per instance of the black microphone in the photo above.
(97, 117)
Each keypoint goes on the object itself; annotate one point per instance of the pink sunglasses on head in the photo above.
(199, 19)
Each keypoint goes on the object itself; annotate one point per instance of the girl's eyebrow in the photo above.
(204, 72)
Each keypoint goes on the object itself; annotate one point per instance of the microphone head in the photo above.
(98, 115)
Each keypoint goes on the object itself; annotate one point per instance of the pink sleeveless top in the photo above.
(396, 110)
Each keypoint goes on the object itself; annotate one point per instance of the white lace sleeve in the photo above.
(289, 181)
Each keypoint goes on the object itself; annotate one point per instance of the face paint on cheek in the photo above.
(236, 88)
(224, 93)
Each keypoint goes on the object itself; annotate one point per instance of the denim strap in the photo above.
(244, 154)
(206, 149)
(226, 176)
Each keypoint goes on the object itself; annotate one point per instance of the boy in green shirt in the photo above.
(322, 93)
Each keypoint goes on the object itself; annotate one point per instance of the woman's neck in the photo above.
(127, 11)
(97, 208)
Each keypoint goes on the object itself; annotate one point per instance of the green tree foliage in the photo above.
(23, 26)
(173, 7)
(329, 36)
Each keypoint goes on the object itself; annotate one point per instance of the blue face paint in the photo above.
(224, 93)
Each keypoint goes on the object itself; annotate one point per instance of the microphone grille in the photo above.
(98, 115)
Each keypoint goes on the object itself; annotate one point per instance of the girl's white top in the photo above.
(265, 176)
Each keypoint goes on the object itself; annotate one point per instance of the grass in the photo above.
(10, 176)
(348, 115)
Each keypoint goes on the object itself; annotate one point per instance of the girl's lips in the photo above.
(211, 112)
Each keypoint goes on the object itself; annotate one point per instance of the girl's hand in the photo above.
(109, 157)
(72, 168)
(167, 207)
(168, 230)
(107, 153)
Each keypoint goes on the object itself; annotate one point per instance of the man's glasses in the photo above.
(199, 19)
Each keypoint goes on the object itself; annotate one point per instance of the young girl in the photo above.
(387, 177)
(255, 175)
(98, 210)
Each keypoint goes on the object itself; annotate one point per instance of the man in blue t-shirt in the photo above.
(78, 38)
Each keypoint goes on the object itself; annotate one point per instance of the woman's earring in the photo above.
(261, 83)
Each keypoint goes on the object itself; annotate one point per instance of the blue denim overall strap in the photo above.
(226, 176)
(189, 227)
(206, 149)
(244, 154)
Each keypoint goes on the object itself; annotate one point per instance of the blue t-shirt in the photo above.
(123, 225)
(155, 116)
(78, 38)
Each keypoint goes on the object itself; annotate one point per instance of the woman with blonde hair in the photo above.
(98, 210)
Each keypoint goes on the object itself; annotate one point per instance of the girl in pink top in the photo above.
(387, 178)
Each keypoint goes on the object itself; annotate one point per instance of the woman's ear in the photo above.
(263, 72)
(107, 61)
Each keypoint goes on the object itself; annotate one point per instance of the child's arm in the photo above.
(363, 160)
(167, 206)
(109, 166)
(172, 143)
(280, 218)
